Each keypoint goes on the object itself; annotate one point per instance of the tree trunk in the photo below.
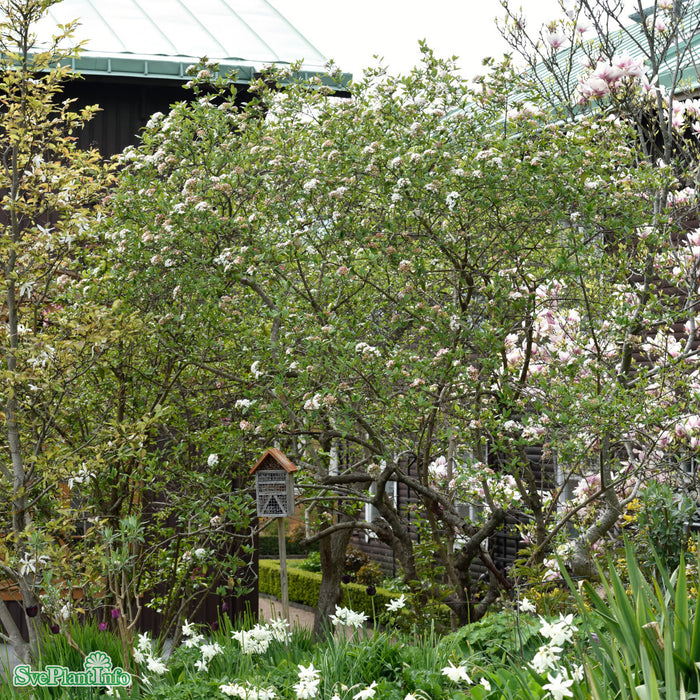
(332, 550)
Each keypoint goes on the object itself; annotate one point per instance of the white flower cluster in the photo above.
(258, 639)
(309, 679)
(365, 349)
(396, 604)
(143, 654)
(247, 691)
(548, 657)
(348, 618)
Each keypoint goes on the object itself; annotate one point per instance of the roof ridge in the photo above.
(150, 19)
(262, 41)
(296, 31)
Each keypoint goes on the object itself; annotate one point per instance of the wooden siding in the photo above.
(126, 106)
(503, 546)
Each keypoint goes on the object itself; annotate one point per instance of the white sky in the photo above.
(353, 31)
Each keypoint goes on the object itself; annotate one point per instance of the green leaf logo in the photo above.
(97, 660)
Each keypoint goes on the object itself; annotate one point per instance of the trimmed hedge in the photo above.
(269, 547)
(304, 586)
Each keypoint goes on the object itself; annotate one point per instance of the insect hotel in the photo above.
(274, 495)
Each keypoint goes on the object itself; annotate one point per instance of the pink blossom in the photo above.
(628, 66)
(607, 72)
(555, 39)
(593, 87)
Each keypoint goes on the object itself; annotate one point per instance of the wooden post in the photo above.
(282, 545)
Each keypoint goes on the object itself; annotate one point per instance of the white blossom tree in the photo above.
(49, 191)
(411, 272)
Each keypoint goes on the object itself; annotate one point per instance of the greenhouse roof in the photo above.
(161, 38)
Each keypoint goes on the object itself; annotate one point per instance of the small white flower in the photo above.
(156, 665)
(546, 657)
(456, 673)
(526, 606)
(213, 460)
(485, 682)
(368, 692)
(396, 604)
(144, 643)
(194, 641)
(558, 686)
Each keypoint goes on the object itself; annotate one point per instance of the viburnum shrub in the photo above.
(434, 287)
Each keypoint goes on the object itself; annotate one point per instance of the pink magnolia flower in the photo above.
(607, 72)
(628, 66)
(593, 87)
(555, 39)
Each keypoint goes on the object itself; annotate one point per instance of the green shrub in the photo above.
(311, 563)
(269, 547)
(369, 574)
(499, 633)
(355, 559)
(304, 586)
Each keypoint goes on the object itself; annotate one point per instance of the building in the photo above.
(137, 52)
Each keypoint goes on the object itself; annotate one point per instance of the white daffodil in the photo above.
(526, 606)
(559, 686)
(348, 618)
(396, 604)
(456, 674)
(156, 665)
(368, 692)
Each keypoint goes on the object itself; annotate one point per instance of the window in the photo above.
(371, 513)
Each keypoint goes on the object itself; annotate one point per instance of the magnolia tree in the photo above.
(49, 192)
(638, 71)
(413, 280)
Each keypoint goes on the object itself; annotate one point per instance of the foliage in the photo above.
(637, 641)
(369, 574)
(651, 639)
(660, 522)
(355, 559)
(311, 563)
(51, 335)
(304, 586)
(499, 635)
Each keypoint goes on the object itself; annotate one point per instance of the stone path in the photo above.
(299, 615)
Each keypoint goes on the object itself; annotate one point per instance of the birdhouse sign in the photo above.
(274, 485)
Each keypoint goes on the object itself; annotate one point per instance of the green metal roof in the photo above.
(161, 38)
